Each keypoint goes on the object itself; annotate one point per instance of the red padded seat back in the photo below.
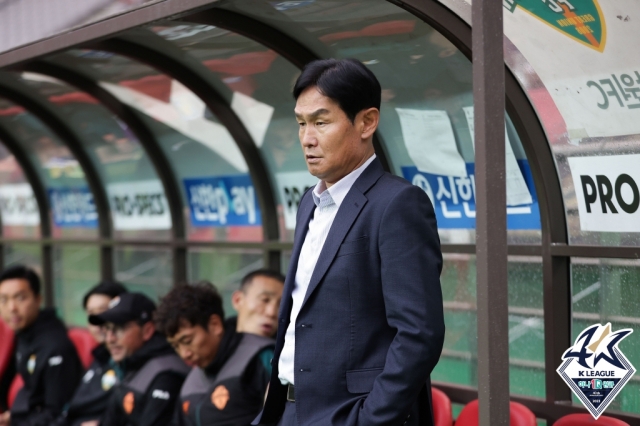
(441, 408)
(84, 343)
(519, 415)
(588, 420)
(6, 347)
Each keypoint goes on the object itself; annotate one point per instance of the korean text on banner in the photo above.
(18, 205)
(291, 187)
(607, 189)
(517, 191)
(139, 205)
(73, 207)
(430, 141)
(223, 201)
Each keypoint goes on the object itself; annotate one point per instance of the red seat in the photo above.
(6, 349)
(441, 408)
(588, 420)
(84, 343)
(519, 415)
(16, 385)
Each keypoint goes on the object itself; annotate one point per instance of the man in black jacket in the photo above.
(149, 370)
(90, 399)
(44, 356)
(228, 384)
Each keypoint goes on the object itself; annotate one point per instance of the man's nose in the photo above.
(185, 353)
(308, 136)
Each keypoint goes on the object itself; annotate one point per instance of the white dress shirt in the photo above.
(327, 204)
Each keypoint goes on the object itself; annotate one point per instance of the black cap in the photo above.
(124, 308)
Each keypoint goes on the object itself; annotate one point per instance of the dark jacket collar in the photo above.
(155, 347)
(228, 345)
(45, 321)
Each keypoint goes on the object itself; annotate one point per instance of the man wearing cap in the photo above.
(44, 357)
(149, 370)
(231, 373)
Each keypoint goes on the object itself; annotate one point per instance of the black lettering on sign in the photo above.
(590, 197)
(602, 188)
(631, 207)
(606, 193)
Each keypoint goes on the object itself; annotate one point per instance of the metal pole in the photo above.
(491, 220)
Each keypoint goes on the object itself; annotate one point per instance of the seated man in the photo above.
(90, 399)
(257, 302)
(44, 356)
(149, 371)
(228, 384)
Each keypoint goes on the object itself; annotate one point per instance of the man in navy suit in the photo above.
(361, 321)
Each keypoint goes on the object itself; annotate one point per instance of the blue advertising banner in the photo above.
(73, 207)
(454, 198)
(223, 201)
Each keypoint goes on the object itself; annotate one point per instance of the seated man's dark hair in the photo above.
(269, 273)
(188, 303)
(24, 273)
(347, 81)
(108, 288)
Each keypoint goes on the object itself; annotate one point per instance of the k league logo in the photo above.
(595, 368)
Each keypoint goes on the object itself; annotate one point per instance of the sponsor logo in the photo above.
(114, 302)
(160, 394)
(595, 368)
(31, 364)
(128, 403)
(55, 360)
(582, 20)
(220, 397)
(108, 380)
(88, 376)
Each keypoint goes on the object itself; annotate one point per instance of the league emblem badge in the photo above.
(594, 367)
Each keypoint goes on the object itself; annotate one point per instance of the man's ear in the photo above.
(236, 299)
(148, 329)
(369, 119)
(215, 325)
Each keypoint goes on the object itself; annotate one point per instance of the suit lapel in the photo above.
(349, 210)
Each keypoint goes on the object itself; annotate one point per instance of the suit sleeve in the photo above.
(162, 398)
(411, 262)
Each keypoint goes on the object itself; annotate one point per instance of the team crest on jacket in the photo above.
(108, 380)
(31, 364)
(129, 403)
(220, 397)
(595, 368)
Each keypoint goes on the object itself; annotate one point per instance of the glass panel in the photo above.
(427, 103)
(23, 253)
(76, 269)
(145, 269)
(458, 362)
(213, 176)
(225, 268)
(603, 291)
(138, 203)
(257, 83)
(58, 169)
(19, 209)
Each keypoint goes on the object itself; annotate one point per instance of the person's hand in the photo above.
(5, 419)
(89, 423)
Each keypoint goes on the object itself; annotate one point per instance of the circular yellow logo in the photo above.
(31, 364)
(108, 380)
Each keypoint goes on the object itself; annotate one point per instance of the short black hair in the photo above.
(107, 288)
(24, 273)
(193, 303)
(269, 273)
(347, 81)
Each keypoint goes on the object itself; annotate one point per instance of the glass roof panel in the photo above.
(217, 192)
(116, 154)
(57, 167)
(18, 206)
(257, 82)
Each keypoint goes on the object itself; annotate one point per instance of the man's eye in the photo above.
(320, 123)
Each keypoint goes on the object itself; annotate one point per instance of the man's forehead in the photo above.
(263, 284)
(14, 286)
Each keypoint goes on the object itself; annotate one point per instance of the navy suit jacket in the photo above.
(371, 327)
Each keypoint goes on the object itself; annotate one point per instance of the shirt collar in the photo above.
(340, 189)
